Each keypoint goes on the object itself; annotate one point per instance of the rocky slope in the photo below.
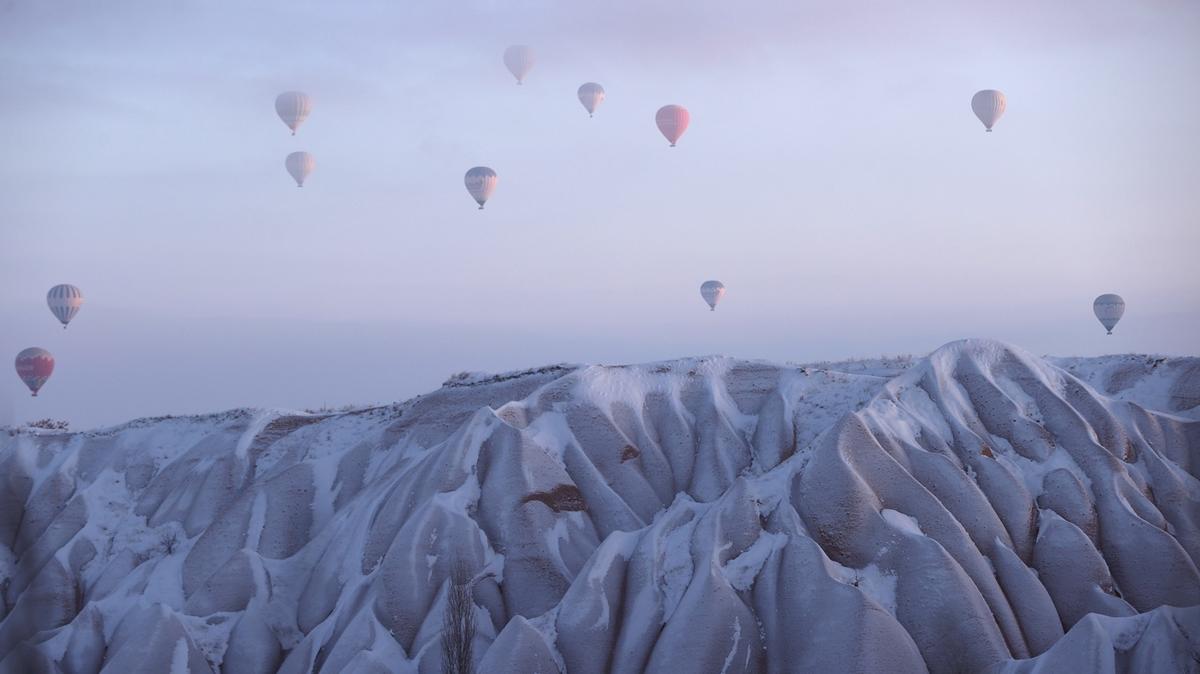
(957, 513)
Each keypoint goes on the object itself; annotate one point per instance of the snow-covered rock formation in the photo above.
(959, 513)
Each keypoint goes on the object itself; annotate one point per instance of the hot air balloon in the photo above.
(65, 301)
(712, 292)
(300, 165)
(988, 106)
(672, 121)
(481, 182)
(591, 95)
(293, 108)
(34, 366)
(1109, 309)
(519, 61)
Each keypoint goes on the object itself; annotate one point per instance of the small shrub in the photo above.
(50, 424)
(169, 541)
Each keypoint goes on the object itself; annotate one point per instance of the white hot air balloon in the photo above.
(1109, 309)
(591, 95)
(988, 106)
(519, 61)
(481, 182)
(65, 301)
(300, 165)
(712, 292)
(672, 121)
(293, 108)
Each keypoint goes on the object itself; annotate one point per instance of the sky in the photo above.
(833, 177)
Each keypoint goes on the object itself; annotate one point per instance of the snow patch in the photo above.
(906, 523)
(743, 569)
(879, 585)
(257, 424)
(737, 640)
(179, 657)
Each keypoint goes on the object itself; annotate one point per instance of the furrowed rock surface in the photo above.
(979, 510)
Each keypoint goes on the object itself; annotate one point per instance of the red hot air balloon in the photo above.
(672, 120)
(34, 367)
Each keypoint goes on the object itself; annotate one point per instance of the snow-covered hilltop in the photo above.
(958, 513)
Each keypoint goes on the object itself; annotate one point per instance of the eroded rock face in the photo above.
(959, 513)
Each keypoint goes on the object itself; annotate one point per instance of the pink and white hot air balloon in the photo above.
(34, 367)
(672, 121)
(519, 61)
(988, 105)
(293, 108)
(300, 165)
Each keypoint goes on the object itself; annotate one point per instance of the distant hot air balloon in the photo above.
(34, 366)
(293, 108)
(591, 95)
(988, 106)
(672, 121)
(300, 165)
(65, 301)
(1109, 308)
(712, 292)
(519, 61)
(481, 182)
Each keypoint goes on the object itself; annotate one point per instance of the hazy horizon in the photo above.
(833, 178)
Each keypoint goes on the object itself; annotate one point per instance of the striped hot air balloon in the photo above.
(481, 182)
(1109, 308)
(293, 108)
(672, 121)
(519, 61)
(988, 105)
(34, 367)
(300, 165)
(64, 301)
(591, 95)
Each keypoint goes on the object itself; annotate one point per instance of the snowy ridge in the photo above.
(957, 513)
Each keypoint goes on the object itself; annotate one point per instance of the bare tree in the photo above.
(458, 623)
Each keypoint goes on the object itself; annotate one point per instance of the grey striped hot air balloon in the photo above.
(1109, 308)
(64, 301)
(481, 182)
(591, 95)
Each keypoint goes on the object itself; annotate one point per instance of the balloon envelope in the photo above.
(519, 61)
(988, 106)
(712, 292)
(293, 108)
(300, 165)
(672, 121)
(1109, 308)
(64, 301)
(481, 182)
(591, 95)
(34, 367)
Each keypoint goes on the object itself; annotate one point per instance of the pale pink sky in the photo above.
(833, 177)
